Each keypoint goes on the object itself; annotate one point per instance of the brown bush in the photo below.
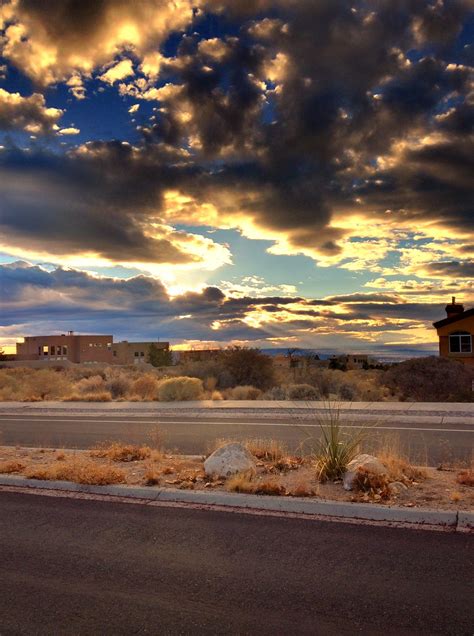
(11, 467)
(465, 477)
(430, 379)
(118, 452)
(302, 392)
(248, 367)
(93, 384)
(118, 385)
(180, 389)
(146, 387)
(243, 393)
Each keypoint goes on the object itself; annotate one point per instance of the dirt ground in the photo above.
(436, 489)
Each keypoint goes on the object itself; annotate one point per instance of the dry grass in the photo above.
(465, 477)
(242, 482)
(11, 467)
(81, 471)
(152, 476)
(118, 452)
(100, 396)
(399, 468)
(266, 449)
(303, 489)
(456, 496)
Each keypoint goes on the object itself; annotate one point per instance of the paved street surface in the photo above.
(72, 566)
(429, 433)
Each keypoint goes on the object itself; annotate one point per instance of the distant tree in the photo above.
(248, 367)
(158, 357)
(2, 354)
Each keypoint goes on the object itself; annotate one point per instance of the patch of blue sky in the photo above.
(103, 115)
(251, 258)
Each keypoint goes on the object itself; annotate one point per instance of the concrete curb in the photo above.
(462, 521)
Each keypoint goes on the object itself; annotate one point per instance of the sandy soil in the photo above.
(438, 488)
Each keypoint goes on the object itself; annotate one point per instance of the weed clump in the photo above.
(79, 471)
(11, 467)
(118, 452)
(465, 477)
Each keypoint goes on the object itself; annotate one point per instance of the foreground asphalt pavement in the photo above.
(72, 566)
(428, 438)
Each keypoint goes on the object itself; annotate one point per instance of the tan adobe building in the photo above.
(134, 352)
(83, 349)
(456, 333)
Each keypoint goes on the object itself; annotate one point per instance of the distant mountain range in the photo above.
(386, 353)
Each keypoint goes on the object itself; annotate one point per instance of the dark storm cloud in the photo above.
(100, 201)
(451, 269)
(290, 122)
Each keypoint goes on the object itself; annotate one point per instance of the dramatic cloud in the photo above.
(339, 131)
(27, 113)
(143, 305)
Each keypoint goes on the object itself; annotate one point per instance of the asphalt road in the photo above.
(426, 439)
(77, 567)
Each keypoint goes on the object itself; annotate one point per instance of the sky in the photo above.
(271, 173)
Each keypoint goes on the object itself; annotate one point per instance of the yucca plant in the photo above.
(335, 448)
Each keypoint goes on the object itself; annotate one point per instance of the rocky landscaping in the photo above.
(255, 467)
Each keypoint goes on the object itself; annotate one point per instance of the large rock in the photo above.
(368, 462)
(228, 460)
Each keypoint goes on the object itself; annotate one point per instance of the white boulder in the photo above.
(228, 460)
(368, 462)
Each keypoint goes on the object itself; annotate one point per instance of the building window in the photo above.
(109, 346)
(53, 350)
(460, 343)
(45, 350)
(142, 354)
(115, 354)
(65, 350)
(39, 351)
(136, 354)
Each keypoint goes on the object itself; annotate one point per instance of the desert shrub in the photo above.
(119, 452)
(243, 393)
(180, 388)
(11, 467)
(210, 383)
(302, 392)
(118, 385)
(275, 393)
(46, 384)
(145, 387)
(248, 367)
(92, 384)
(465, 477)
(216, 396)
(431, 380)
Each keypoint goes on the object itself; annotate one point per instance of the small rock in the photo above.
(397, 486)
(228, 460)
(369, 462)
